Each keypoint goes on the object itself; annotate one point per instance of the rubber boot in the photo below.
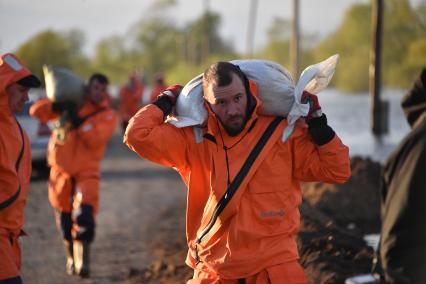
(70, 257)
(81, 258)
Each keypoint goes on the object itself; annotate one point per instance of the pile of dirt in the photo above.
(331, 245)
(354, 205)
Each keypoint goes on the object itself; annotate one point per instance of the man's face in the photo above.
(18, 95)
(229, 103)
(97, 91)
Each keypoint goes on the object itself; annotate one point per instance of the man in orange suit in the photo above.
(15, 163)
(74, 159)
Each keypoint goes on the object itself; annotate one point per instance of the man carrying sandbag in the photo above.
(130, 98)
(75, 150)
(242, 179)
(15, 163)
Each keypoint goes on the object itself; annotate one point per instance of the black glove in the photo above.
(75, 120)
(60, 107)
(320, 131)
(167, 98)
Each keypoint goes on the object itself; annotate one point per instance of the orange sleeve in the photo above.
(9, 181)
(97, 130)
(42, 110)
(152, 139)
(327, 163)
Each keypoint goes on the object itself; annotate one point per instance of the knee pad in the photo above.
(85, 222)
(14, 280)
(66, 225)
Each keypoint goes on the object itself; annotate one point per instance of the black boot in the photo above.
(81, 258)
(70, 257)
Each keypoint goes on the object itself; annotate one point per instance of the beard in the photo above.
(234, 130)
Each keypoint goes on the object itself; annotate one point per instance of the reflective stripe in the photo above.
(15, 196)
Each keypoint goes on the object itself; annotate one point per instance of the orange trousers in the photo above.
(10, 255)
(286, 273)
(76, 200)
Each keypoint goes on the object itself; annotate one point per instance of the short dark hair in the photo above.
(101, 78)
(221, 73)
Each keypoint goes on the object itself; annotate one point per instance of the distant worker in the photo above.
(402, 252)
(243, 181)
(15, 163)
(130, 98)
(157, 87)
(75, 167)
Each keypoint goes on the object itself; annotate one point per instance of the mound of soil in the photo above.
(331, 245)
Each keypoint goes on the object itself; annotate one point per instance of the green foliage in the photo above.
(54, 48)
(403, 39)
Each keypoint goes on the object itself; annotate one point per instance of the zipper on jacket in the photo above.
(232, 187)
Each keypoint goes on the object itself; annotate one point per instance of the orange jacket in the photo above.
(256, 230)
(130, 100)
(156, 90)
(84, 147)
(13, 182)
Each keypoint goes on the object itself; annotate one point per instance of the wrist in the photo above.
(320, 131)
(164, 103)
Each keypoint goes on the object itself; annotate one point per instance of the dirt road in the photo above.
(137, 198)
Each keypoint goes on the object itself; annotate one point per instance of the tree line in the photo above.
(157, 44)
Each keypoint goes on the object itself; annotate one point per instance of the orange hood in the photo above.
(11, 71)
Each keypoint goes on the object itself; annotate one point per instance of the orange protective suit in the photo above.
(130, 99)
(15, 174)
(255, 233)
(75, 163)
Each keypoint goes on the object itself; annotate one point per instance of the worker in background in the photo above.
(157, 87)
(131, 95)
(15, 163)
(74, 158)
(402, 250)
(243, 210)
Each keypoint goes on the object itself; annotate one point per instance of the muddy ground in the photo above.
(140, 227)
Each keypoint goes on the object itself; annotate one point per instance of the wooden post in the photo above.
(206, 40)
(379, 108)
(251, 28)
(294, 50)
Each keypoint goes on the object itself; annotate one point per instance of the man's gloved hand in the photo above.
(167, 98)
(172, 92)
(314, 106)
(320, 132)
(60, 107)
(76, 121)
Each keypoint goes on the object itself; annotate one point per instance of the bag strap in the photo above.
(15, 196)
(233, 187)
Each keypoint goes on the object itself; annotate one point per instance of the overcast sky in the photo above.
(98, 19)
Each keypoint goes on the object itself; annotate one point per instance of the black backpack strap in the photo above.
(15, 196)
(232, 188)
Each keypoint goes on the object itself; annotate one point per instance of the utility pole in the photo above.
(251, 28)
(294, 48)
(379, 108)
(206, 39)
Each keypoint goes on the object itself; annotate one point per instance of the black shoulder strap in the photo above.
(15, 196)
(232, 188)
(94, 113)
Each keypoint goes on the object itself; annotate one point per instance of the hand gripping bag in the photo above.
(276, 90)
(63, 85)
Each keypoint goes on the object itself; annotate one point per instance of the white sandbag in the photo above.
(63, 85)
(275, 87)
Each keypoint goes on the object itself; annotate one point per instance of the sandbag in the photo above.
(63, 85)
(275, 86)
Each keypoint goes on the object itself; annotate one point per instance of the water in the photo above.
(349, 116)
